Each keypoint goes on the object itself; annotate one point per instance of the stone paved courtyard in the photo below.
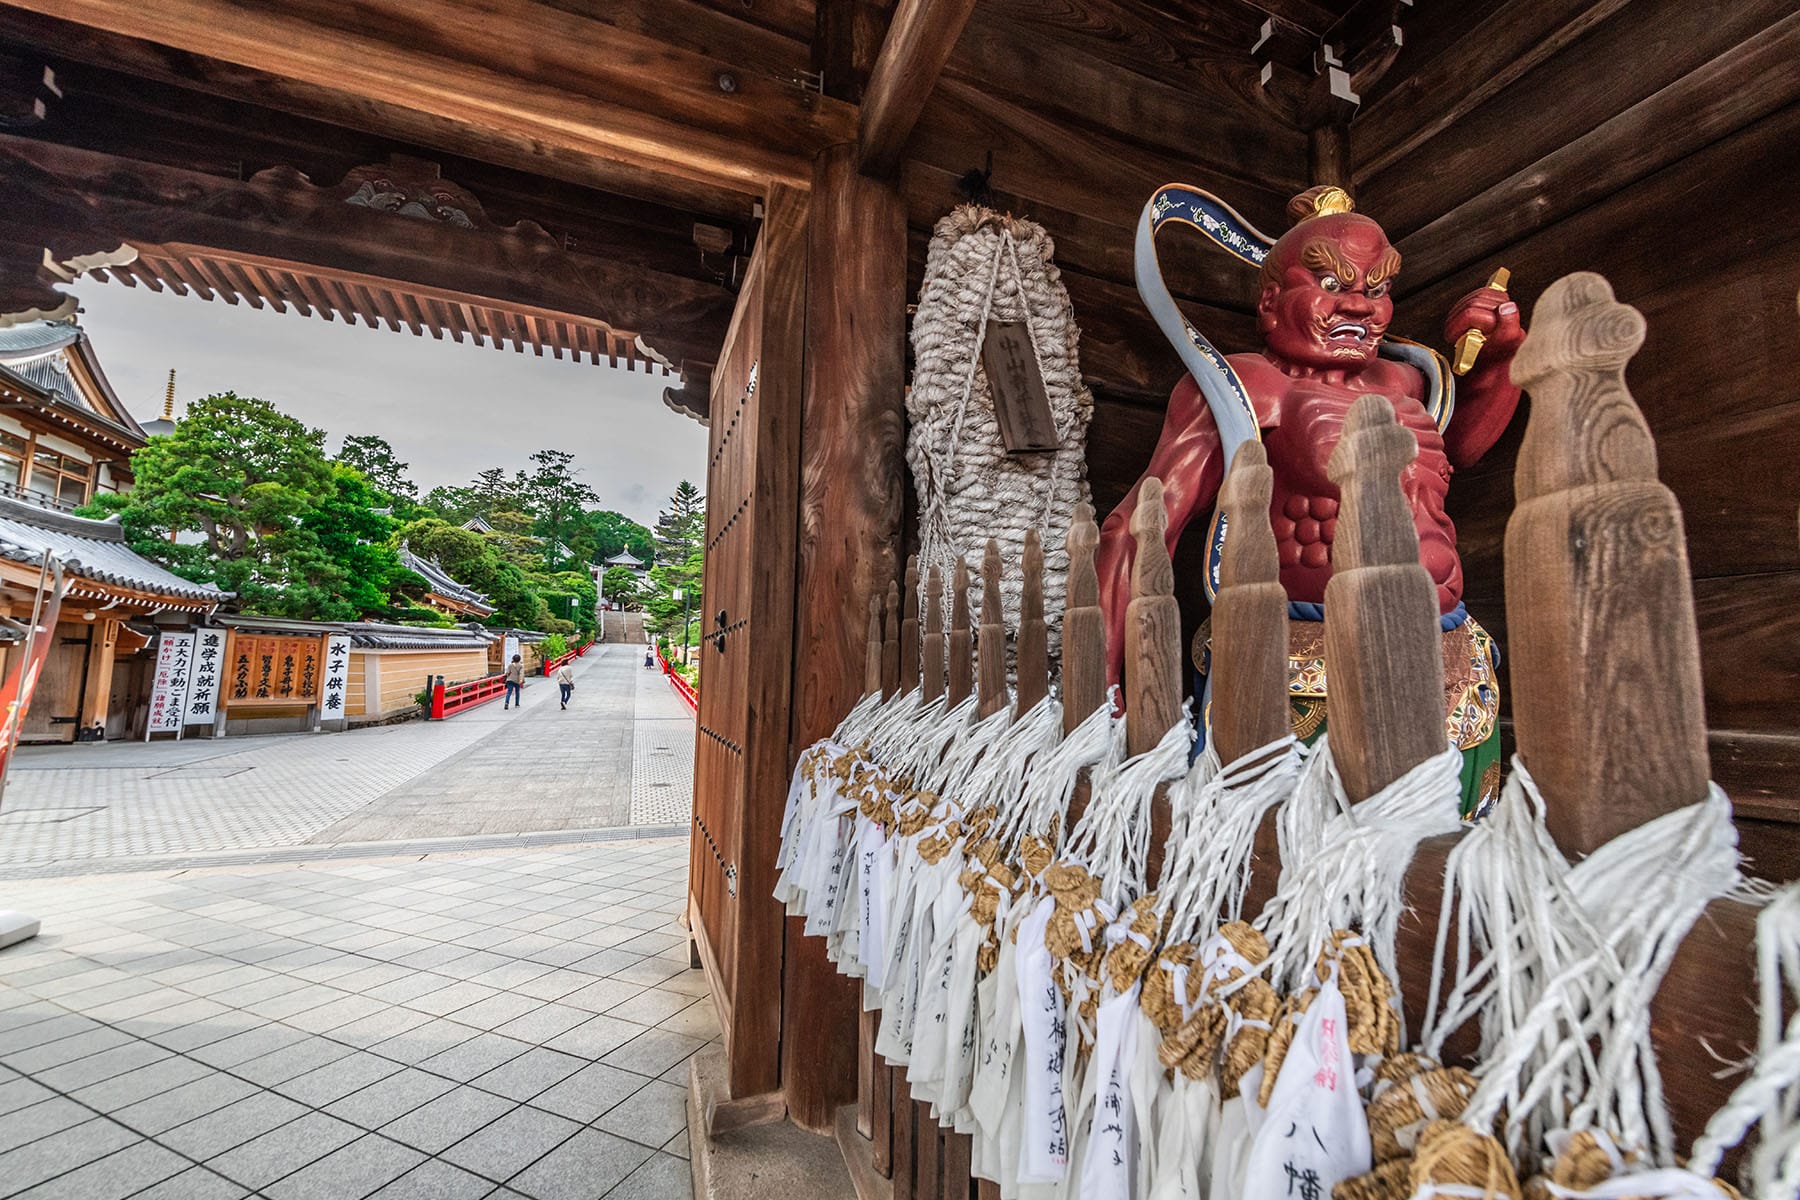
(431, 960)
(487, 771)
(499, 1024)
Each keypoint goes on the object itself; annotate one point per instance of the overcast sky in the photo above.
(448, 409)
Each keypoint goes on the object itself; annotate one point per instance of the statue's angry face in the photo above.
(1325, 301)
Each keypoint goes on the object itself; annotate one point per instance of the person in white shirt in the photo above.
(565, 679)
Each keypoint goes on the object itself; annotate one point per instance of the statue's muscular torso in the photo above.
(1302, 419)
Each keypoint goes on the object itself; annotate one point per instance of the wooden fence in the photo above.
(1598, 596)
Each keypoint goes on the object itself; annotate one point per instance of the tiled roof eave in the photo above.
(77, 572)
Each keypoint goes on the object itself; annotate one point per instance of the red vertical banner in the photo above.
(27, 661)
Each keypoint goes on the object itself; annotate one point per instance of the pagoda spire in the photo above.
(169, 398)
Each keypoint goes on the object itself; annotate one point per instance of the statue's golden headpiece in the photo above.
(1322, 201)
(1332, 200)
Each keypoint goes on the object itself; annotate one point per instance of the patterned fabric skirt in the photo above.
(1471, 692)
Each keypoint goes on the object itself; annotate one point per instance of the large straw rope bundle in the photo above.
(983, 266)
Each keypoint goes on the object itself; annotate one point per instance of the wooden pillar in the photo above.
(991, 645)
(872, 667)
(890, 646)
(931, 653)
(1382, 648)
(1034, 635)
(1084, 625)
(1152, 629)
(1249, 707)
(962, 662)
(1599, 603)
(909, 628)
(851, 476)
(1328, 155)
(97, 698)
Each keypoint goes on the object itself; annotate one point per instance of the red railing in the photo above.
(682, 687)
(553, 665)
(449, 699)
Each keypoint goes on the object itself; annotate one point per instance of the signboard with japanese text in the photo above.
(337, 678)
(274, 670)
(203, 685)
(169, 689)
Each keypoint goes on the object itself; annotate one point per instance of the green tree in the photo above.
(614, 532)
(452, 504)
(681, 527)
(470, 558)
(492, 491)
(556, 498)
(234, 468)
(354, 537)
(622, 587)
(680, 537)
(285, 529)
(375, 459)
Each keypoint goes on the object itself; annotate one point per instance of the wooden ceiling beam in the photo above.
(141, 272)
(638, 102)
(270, 285)
(1482, 63)
(1043, 73)
(1194, 268)
(1650, 46)
(228, 81)
(918, 44)
(183, 270)
(278, 217)
(729, 34)
(316, 296)
(207, 273)
(240, 283)
(1046, 162)
(446, 316)
(1659, 131)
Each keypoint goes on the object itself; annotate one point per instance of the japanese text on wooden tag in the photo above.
(1021, 403)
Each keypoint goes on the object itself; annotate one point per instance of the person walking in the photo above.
(565, 679)
(515, 681)
(649, 660)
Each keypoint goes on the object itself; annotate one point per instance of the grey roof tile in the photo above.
(90, 549)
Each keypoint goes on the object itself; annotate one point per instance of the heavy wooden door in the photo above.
(746, 661)
(55, 711)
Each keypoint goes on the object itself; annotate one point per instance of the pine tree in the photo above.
(681, 527)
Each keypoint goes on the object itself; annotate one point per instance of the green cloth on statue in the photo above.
(1480, 765)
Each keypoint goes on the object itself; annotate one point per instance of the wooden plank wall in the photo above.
(1647, 140)
(1670, 178)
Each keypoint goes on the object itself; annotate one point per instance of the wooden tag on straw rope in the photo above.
(1021, 403)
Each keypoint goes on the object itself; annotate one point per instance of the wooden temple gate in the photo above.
(741, 751)
(1650, 140)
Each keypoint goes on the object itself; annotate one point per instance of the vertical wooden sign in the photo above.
(1021, 403)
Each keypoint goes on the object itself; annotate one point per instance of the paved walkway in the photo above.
(500, 1024)
(619, 756)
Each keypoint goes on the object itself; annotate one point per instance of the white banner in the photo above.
(509, 647)
(203, 688)
(334, 694)
(174, 667)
